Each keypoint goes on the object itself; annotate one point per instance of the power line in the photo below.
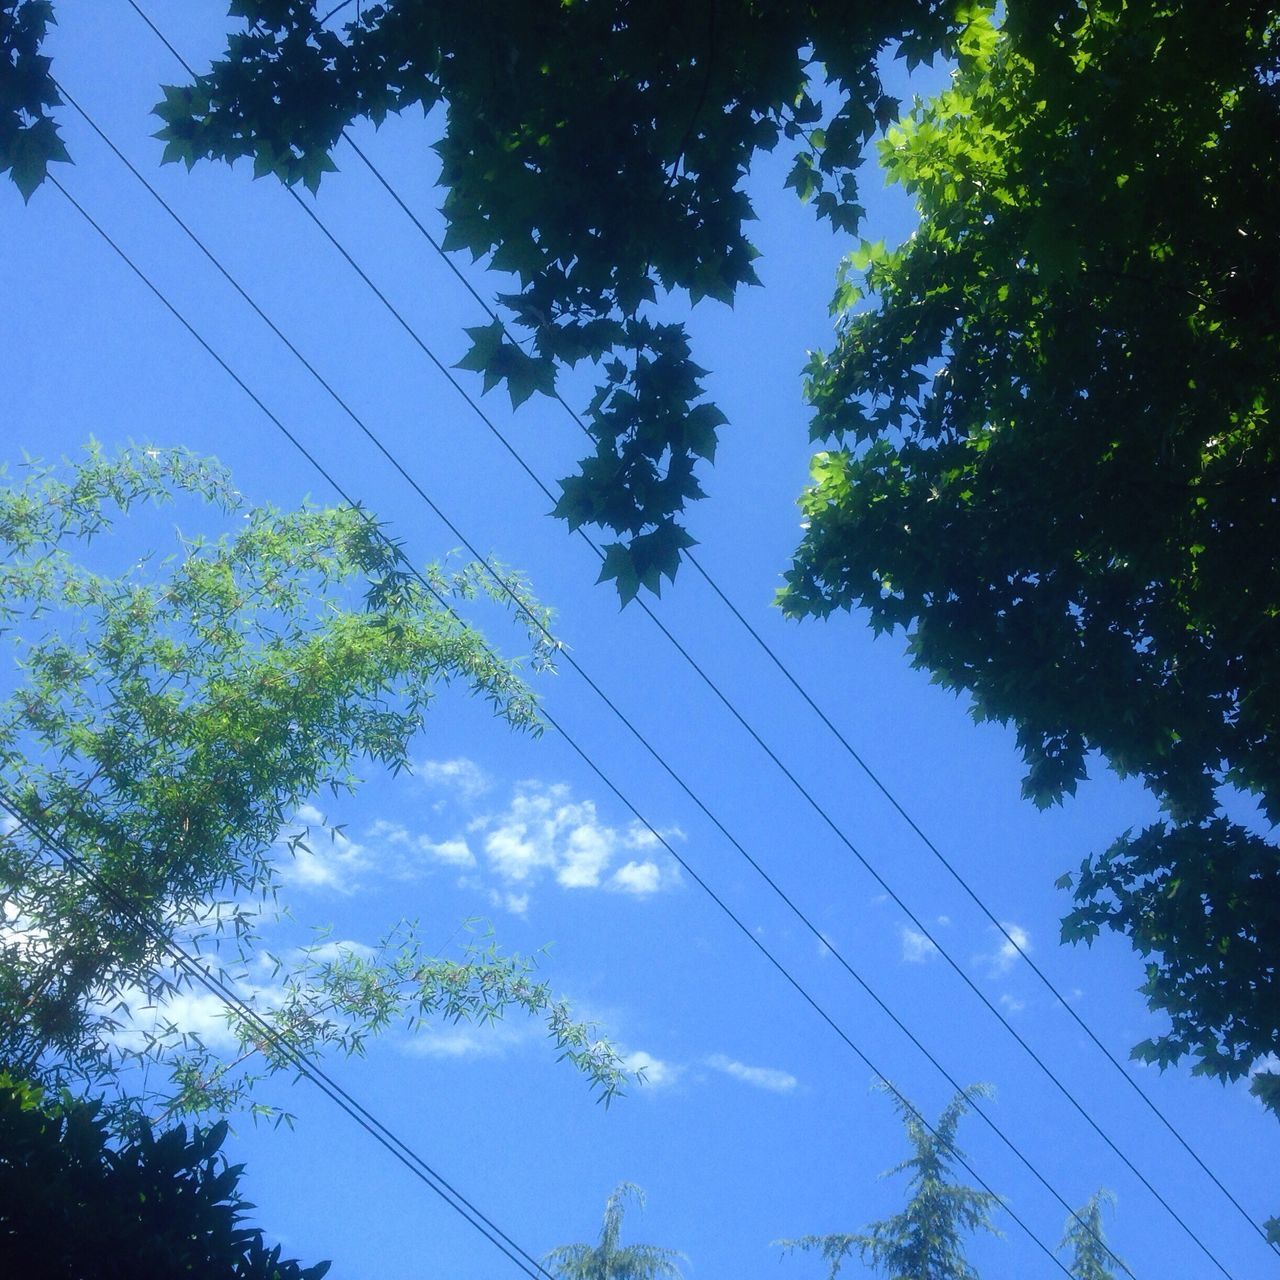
(652, 751)
(796, 783)
(791, 777)
(518, 601)
(871, 774)
(617, 792)
(305, 1065)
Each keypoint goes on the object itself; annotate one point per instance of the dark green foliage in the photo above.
(1054, 457)
(76, 1204)
(926, 1240)
(609, 1259)
(29, 140)
(596, 151)
(1205, 898)
(1090, 1258)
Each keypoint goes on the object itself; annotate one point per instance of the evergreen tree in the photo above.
(608, 1260)
(924, 1241)
(1090, 1257)
(75, 1202)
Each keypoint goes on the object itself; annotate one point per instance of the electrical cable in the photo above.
(616, 791)
(795, 782)
(302, 1062)
(872, 776)
(799, 786)
(684, 653)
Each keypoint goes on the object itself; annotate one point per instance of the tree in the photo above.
(29, 140)
(925, 1241)
(608, 1259)
(1090, 1258)
(75, 1202)
(165, 722)
(1049, 416)
(1054, 460)
(594, 151)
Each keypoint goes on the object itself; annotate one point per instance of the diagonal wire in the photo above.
(617, 792)
(652, 751)
(872, 776)
(796, 783)
(302, 1062)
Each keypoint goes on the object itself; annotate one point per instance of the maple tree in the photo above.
(596, 152)
(1053, 461)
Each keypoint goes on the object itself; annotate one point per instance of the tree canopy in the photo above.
(609, 1258)
(1085, 1238)
(164, 722)
(1048, 421)
(1050, 414)
(74, 1201)
(1054, 459)
(925, 1241)
(596, 152)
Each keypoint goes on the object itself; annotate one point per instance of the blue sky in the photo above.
(756, 1122)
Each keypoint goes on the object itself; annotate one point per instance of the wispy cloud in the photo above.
(916, 948)
(194, 1013)
(468, 1041)
(1006, 954)
(319, 856)
(770, 1078)
(657, 1074)
(412, 851)
(460, 775)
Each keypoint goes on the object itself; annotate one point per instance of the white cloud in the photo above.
(546, 832)
(455, 852)
(1012, 1003)
(516, 903)
(466, 1040)
(18, 932)
(402, 853)
(196, 1013)
(916, 948)
(192, 1010)
(335, 949)
(464, 776)
(643, 878)
(1018, 940)
(588, 849)
(388, 832)
(770, 1078)
(318, 856)
(657, 1074)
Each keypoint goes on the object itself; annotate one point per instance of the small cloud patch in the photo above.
(916, 948)
(770, 1078)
